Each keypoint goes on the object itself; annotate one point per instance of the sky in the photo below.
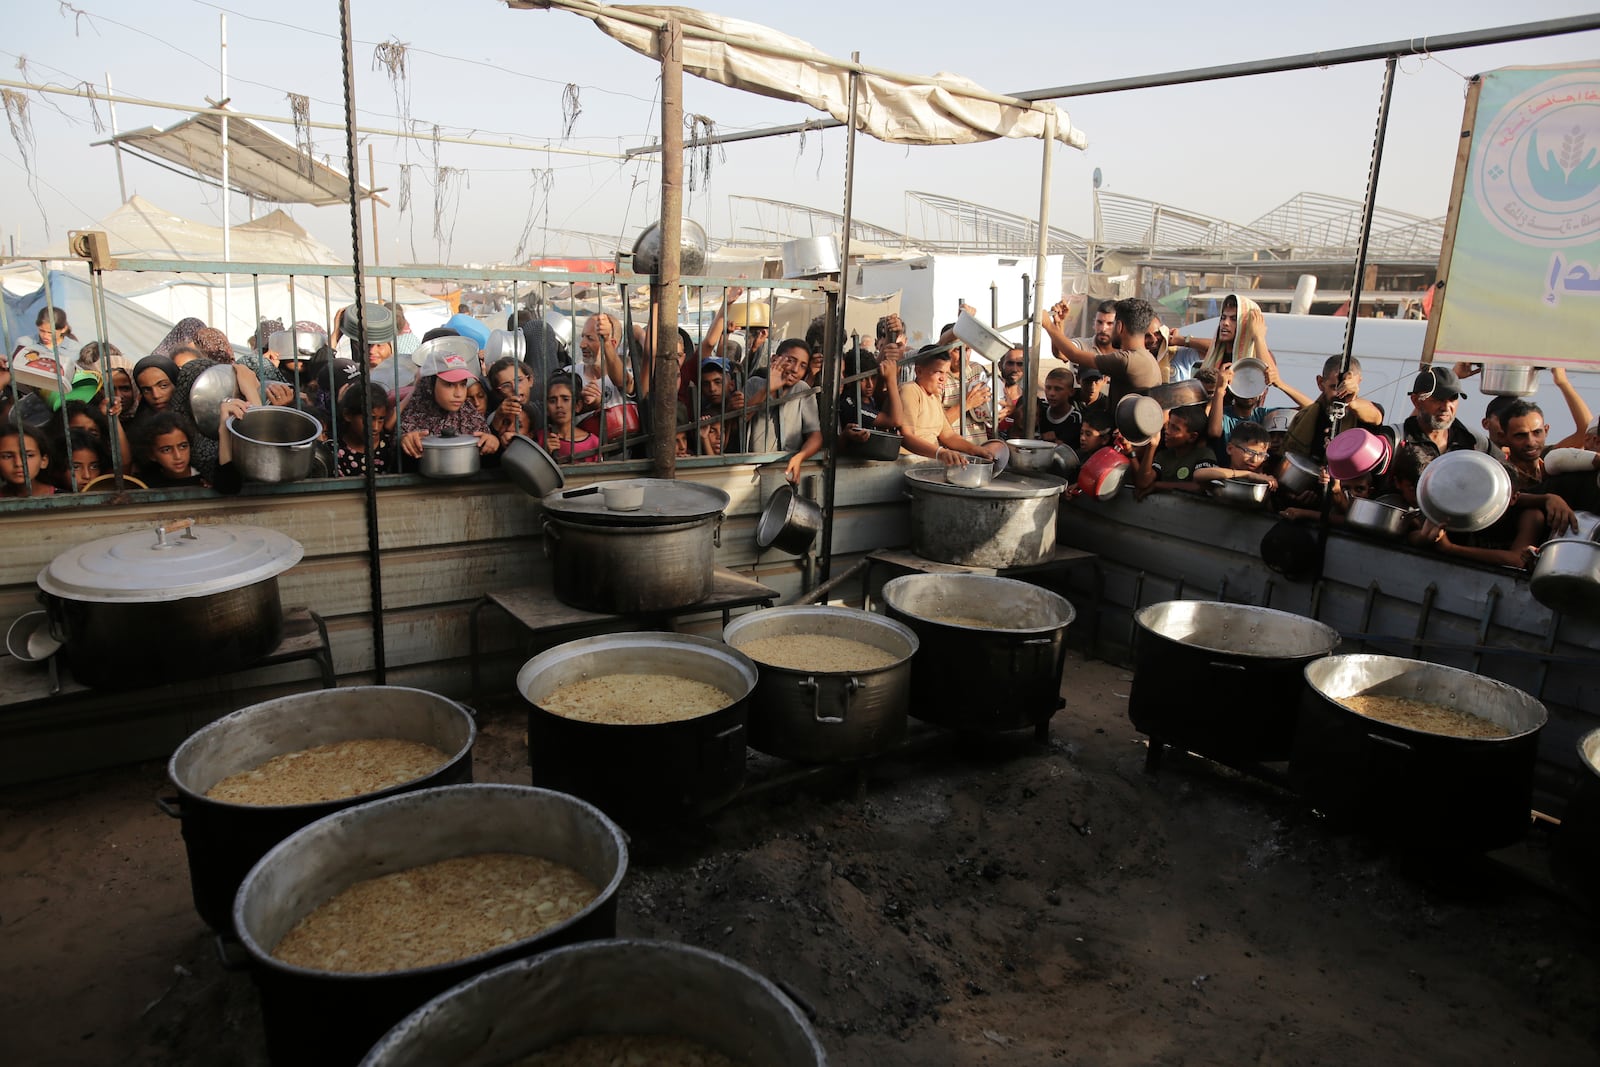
(1232, 149)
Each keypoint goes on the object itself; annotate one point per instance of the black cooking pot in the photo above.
(1222, 680)
(224, 840)
(649, 774)
(1440, 792)
(180, 601)
(1576, 854)
(990, 650)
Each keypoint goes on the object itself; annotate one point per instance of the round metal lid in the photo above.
(1012, 485)
(665, 501)
(172, 562)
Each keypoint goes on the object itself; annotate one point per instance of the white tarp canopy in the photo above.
(897, 108)
(260, 163)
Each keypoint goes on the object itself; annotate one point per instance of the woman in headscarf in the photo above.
(156, 380)
(183, 333)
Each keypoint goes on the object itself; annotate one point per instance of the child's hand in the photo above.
(488, 443)
(411, 444)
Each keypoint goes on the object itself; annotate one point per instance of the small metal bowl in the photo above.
(975, 475)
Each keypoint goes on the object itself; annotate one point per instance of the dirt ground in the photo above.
(988, 902)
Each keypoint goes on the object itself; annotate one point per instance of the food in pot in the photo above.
(436, 913)
(627, 1050)
(964, 620)
(330, 772)
(1421, 715)
(817, 652)
(635, 699)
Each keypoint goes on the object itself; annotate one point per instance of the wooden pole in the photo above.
(664, 294)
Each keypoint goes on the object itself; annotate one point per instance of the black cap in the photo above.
(1440, 383)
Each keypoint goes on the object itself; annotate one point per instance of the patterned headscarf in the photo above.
(184, 333)
(423, 414)
(264, 331)
(213, 344)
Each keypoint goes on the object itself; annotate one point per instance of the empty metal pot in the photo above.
(223, 840)
(1437, 791)
(1567, 577)
(326, 1017)
(1034, 457)
(274, 444)
(455, 456)
(1222, 680)
(1509, 379)
(990, 650)
(604, 987)
(789, 522)
(1376, 517)
(821, 714)
(1576, 846)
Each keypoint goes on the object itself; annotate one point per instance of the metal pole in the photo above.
(122, 187)
(1030, 370)
(377, 251)
(664, 381)
(227, 236)
(358, 345)
(833, 352)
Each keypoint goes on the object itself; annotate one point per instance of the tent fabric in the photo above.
(140, 229)
(892, 108)
(260, 163)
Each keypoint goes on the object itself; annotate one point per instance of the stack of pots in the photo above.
(646, 774)
(224, 840)
(658, 558)
(990, 650)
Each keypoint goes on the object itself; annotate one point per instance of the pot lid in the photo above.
(172, 562)
(665, 501)
(1012, 485)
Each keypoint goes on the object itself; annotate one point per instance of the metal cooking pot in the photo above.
(808, 257)
(991, 650)
(1064, 463)
(880, 445)
(1300, 474)
(223, 840)
(659, 558)
(1222, 680)
(29, 639)
(789, 522)
(449, 456)
(1464, 491)
(533, 470)
(1509, 379)
(1567, 577)
(1102, 476)
(176, 602)
(1575, 851)
(323, 1017)
(208, 392)
(1011, 522)
(981, 338)
(604, 987)
(691, 248)
(1249, 378)
(274, 444)
(641, 775)
(1239, 491)
(1178, 394)
(818, 714)
(975, 475)
(1374, 516)
(1031, 456)
(1444, 793)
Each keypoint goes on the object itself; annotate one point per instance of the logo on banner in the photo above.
(1539, 172)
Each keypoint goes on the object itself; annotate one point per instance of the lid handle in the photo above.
(187, 525)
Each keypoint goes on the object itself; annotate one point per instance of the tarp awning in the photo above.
(897, 108)
(260, 163)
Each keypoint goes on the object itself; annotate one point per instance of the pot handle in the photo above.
(1222, 665)
(713, 748)
(1392, 742)
(550, 534)
(716, 532)
(174, 526)
(168, 806)
(1021, 650)
(794, 995)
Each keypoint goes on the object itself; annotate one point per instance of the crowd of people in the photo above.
(739, 391)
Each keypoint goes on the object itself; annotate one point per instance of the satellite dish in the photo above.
(1098, 177)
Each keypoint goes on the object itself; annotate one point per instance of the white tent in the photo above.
(142, 230)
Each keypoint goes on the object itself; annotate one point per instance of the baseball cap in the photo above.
(713, 363)
(452, 358)
(379, 323)
(1278, 420)
(1440, 383)
(1088, 374)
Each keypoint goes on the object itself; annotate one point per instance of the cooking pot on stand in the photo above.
(648, 774)
(808, 257)
(819, 714)
(177, 602)
(1442, 792)
(313, 1016)
(1222, 680)
(1011, 522)
(658, 558)
(223, 839)
(604, 987)
(990, 650)
(274, 444)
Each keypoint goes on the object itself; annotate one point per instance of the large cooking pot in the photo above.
(1300, 474)
(176, 602)
(1031, 456)
(224, 840)
(658, 558)
(1376, 517)
(808, 257)
(880, 445)
(991, 650)
(1567, 577)
(274, 444)
(624, 986)
(325, 1017)
(1576, 846)
(1446, 793)
(1178, 394)
(1509, 379)
(641, 775)
(1011, 522)
(821, 714)
(1222, 680)
(789, 522)
(450, 456)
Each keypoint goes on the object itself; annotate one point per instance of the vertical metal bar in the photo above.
(1030, 330)
(62, 382)
(1367, 607)
(1030, 372)
(97, 294)
(294, 340)
(664, 461)
(1489, 603)
(1368, 207)
(122, 186)
(1426, 612)
(358, 346)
